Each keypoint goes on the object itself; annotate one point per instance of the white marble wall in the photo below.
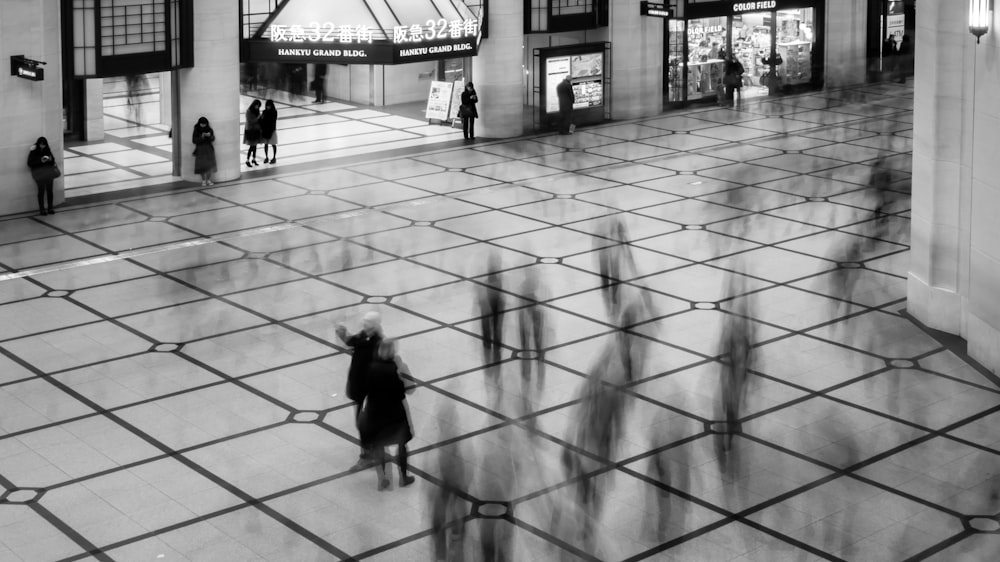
(30, 109)
(637, 62)
(954, 280)
(846, 40)
(93, 118)
(498, 72)
(212, 88)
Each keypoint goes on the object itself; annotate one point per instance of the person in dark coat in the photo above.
(566, 99)
(468, 111)
(44, 171)
(384, 421)
(491, 307)
(251, 132)
(733, 81)
(904, 57)
(268, 130)
(204, 151)
(363, 345)
(889, 54)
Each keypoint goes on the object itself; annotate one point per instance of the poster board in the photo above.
(586, 74)
(439, 100)
(456, 99)
(556, 68)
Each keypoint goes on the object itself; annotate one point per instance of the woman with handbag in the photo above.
(468, 111)
(44, 171)
(251, 132)
(204, 152)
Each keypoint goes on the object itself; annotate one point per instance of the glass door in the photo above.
(706, 41)
(673, 85)
(752, 40)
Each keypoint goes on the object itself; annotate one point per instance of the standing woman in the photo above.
(251, 132)
(468, 111)
(269, 130)
(44, 171)
(204, 152)
(384, 420)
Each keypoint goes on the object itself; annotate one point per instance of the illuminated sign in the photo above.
(740, 7)
(655, 9)
(328, 32)
(26, 68)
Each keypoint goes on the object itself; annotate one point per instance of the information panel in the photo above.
(586, 74)
(439, 100)
(456, 99)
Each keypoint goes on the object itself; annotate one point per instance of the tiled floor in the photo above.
(136, 151)
(171, 387)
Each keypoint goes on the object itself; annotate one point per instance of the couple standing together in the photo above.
(375, 383)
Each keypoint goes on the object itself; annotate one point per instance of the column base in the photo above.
(984, 343)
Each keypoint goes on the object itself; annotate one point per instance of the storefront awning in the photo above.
(365, 32)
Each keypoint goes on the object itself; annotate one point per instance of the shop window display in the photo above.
(751, 45)
(795, 38)
(706, 56)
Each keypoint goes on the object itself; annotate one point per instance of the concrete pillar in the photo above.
(636, 61)
(954, 274)
(212, 88)
(165, 98)
(93, 92)
(846, 42)
(939, 143)
(31, 109)
(498, 72)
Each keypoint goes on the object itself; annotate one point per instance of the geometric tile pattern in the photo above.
(171, 386)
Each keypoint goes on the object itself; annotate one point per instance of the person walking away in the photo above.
(269, 131)
(491, 308)
(733, 80)
(384, 421)
(363, 346)
(467, 111)
(44, 171)
(566, 100)
(904, 56)
(204, 151)
(251, 132)
(319, 83)
(889, 56)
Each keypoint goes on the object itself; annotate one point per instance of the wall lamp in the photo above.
(980, 17)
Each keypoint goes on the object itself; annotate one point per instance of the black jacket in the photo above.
(35, 157)
(566, 97)
(470, 99)
(268, 122)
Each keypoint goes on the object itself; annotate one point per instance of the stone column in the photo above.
(31, 109)
(212, 87)
(93, 94)
(636, 61)
(498, 72)
(846, 42)
(941, 143)
(165, 98)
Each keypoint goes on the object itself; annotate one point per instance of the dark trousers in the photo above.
(469, 127)
(44, 191)
(565, 118)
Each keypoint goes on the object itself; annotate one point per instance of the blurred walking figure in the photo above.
(269, 131)
(531, 328)
(448, 511)
(878, 183)
(251, 132)
(364, 345)
(384, 420)
(135, 84)
(613, 260)
(736, 350)
(203, 138)
(491, 311)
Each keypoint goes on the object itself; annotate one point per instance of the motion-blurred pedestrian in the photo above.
(364, 345)
(491, 307)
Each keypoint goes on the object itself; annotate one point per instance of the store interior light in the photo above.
(980, 17)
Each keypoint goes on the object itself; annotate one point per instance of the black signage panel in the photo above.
(259, 50)
(26, 68)
(655, 9)
(377, 52)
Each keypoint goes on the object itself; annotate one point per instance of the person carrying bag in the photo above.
(44, 171)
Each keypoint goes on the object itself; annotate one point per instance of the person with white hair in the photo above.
(363, 346)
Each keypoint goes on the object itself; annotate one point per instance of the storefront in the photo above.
(888, 22)
(379, 52)
(780, 36)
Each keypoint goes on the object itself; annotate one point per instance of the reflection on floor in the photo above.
(136, 151)
(172, 389)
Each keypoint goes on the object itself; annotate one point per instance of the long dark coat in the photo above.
(383, 419)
